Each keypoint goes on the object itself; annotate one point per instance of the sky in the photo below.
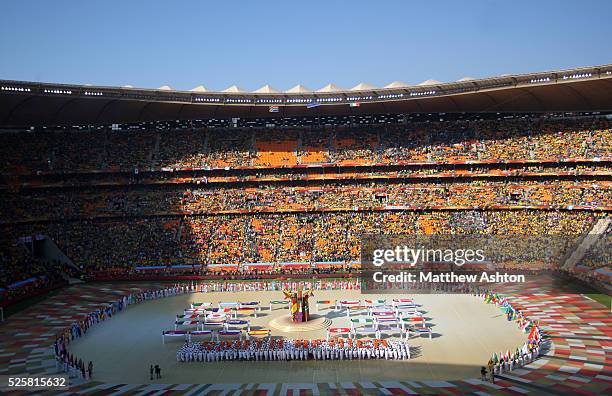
(250, 43)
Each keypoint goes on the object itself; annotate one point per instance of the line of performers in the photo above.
(293, 350)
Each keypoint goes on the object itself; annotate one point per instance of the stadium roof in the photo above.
(25, 103)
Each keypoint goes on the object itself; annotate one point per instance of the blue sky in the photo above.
(251, 43)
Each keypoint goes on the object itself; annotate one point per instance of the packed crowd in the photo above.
(279, 239)
(89, 203)
(20, 274)
(217, 178)
(600, 253)
(15, 261)
(66, 150)
(105, 221)
(595, 267)
(499, 141)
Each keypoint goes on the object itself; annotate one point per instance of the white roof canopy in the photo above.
(234, 89)
(466, 79)
(165, 88)
(267, 89)
(396, 84)
(199, 88)
(299, 89)
(363, 87)
(330, 88)
(430, 82)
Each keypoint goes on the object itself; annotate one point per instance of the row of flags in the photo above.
(507, 356)
(534, 337)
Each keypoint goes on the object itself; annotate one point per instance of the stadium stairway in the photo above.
(598, 230)
(47, 252)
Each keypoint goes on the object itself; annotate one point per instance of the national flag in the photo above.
(537, 333)
(534, 334)
(355, 104)
(273, 109)
(312, 105)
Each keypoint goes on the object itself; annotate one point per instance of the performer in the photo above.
(299, 308)
(305, 307)
(293, 307)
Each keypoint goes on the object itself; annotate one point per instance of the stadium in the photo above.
(400, 238)
(213, 204)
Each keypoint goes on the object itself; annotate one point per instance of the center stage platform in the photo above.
(284, 324)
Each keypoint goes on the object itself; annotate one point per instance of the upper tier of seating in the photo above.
(69, 151)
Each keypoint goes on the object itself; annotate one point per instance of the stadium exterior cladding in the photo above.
(35, 104)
